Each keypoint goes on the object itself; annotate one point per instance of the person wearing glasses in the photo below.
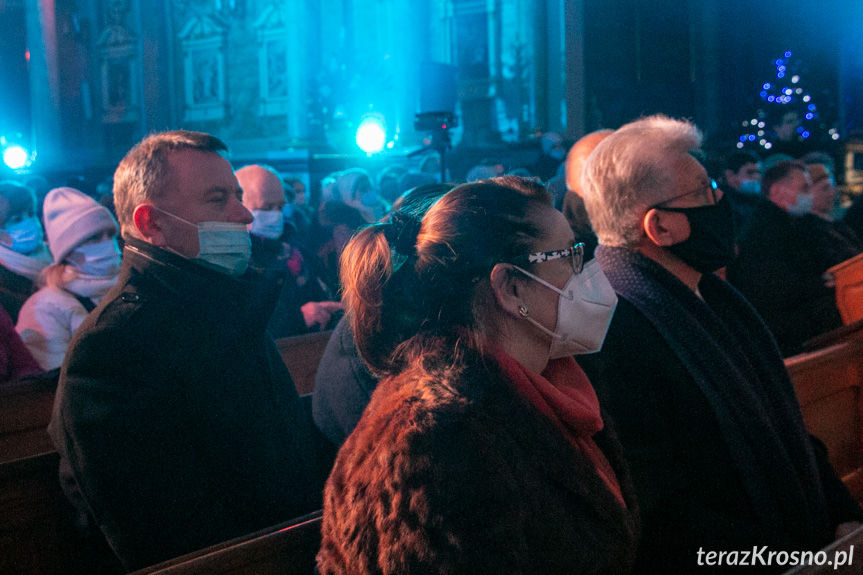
(483, 449)
(690, 374)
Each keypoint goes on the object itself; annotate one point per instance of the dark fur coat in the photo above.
(449, 471)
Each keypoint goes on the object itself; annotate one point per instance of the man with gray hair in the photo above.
(177, 422)
(701, 399)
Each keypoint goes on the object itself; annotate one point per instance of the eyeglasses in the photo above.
(712, 190)
(575, 255)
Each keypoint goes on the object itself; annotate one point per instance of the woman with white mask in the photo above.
(23, 254)
(483, 449)
(82, 239)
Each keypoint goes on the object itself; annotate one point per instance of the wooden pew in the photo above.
(37, 524)
(842, 557)
(302, 354)
(25, 411)
(828, 385)
(849, 288)
(25, 406)
(853, 330)
(287, 549)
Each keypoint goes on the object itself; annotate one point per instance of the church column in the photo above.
(574, 68)
(44, 83)
(298, 71)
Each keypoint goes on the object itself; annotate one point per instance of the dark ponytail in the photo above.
(411, 280)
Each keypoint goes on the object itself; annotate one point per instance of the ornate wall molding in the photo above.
(203, 41)
(272, 35)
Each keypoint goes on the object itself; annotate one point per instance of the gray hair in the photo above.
(144, 173)
(631, 170)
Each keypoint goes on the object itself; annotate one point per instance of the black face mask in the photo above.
(710, 244)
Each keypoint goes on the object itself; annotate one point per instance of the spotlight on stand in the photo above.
(439, 124)
(15, 156)
(372, 134)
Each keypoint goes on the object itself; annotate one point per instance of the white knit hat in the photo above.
(71, 218)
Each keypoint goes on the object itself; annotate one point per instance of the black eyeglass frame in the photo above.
(575, 253)
(714, 189)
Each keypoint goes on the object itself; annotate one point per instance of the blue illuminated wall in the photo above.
(270, 76)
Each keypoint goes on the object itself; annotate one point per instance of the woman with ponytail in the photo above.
(483, 449)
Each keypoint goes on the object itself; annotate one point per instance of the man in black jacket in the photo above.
(692, 378)
(782, 262)
(175, 417)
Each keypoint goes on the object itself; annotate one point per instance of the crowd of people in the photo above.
(580, 376)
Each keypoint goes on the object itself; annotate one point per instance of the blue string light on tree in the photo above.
(784, 91)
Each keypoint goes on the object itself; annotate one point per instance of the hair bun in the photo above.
(402, 231)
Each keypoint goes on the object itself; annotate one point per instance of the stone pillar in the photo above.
(298, 71)
(46, 138)
(574, 68)
(156, 66)
(556, 66)
(705, 49)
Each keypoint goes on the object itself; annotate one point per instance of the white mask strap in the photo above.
(543, 328)
(568, 295)
(173, 216)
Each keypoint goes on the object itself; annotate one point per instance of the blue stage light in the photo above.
(15, 157)
(371, 134)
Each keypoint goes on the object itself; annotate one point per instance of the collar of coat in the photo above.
(253, 295)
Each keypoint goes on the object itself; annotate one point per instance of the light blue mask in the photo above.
(101, 259)
(803, 206)
(268, 224)
(750, 187)
(24, 236)
(223, 246)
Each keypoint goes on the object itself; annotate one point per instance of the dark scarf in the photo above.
(733, 359)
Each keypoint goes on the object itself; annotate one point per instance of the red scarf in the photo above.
(565, 396)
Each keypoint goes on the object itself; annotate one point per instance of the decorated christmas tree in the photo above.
(784, 95)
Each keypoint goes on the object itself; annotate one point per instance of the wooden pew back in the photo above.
(37, 524)
(849, 288)
(286, 549)
(828, 384)
(25, 406)
(302, 354)
(25, 412)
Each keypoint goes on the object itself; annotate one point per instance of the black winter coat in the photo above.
(177, 416)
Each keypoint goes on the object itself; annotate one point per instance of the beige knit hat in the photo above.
(72, 217)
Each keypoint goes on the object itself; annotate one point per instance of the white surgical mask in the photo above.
(25, 236)
(584, 311)
(101, 259)
(803, 205)
(223, 246)
(268, 224)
